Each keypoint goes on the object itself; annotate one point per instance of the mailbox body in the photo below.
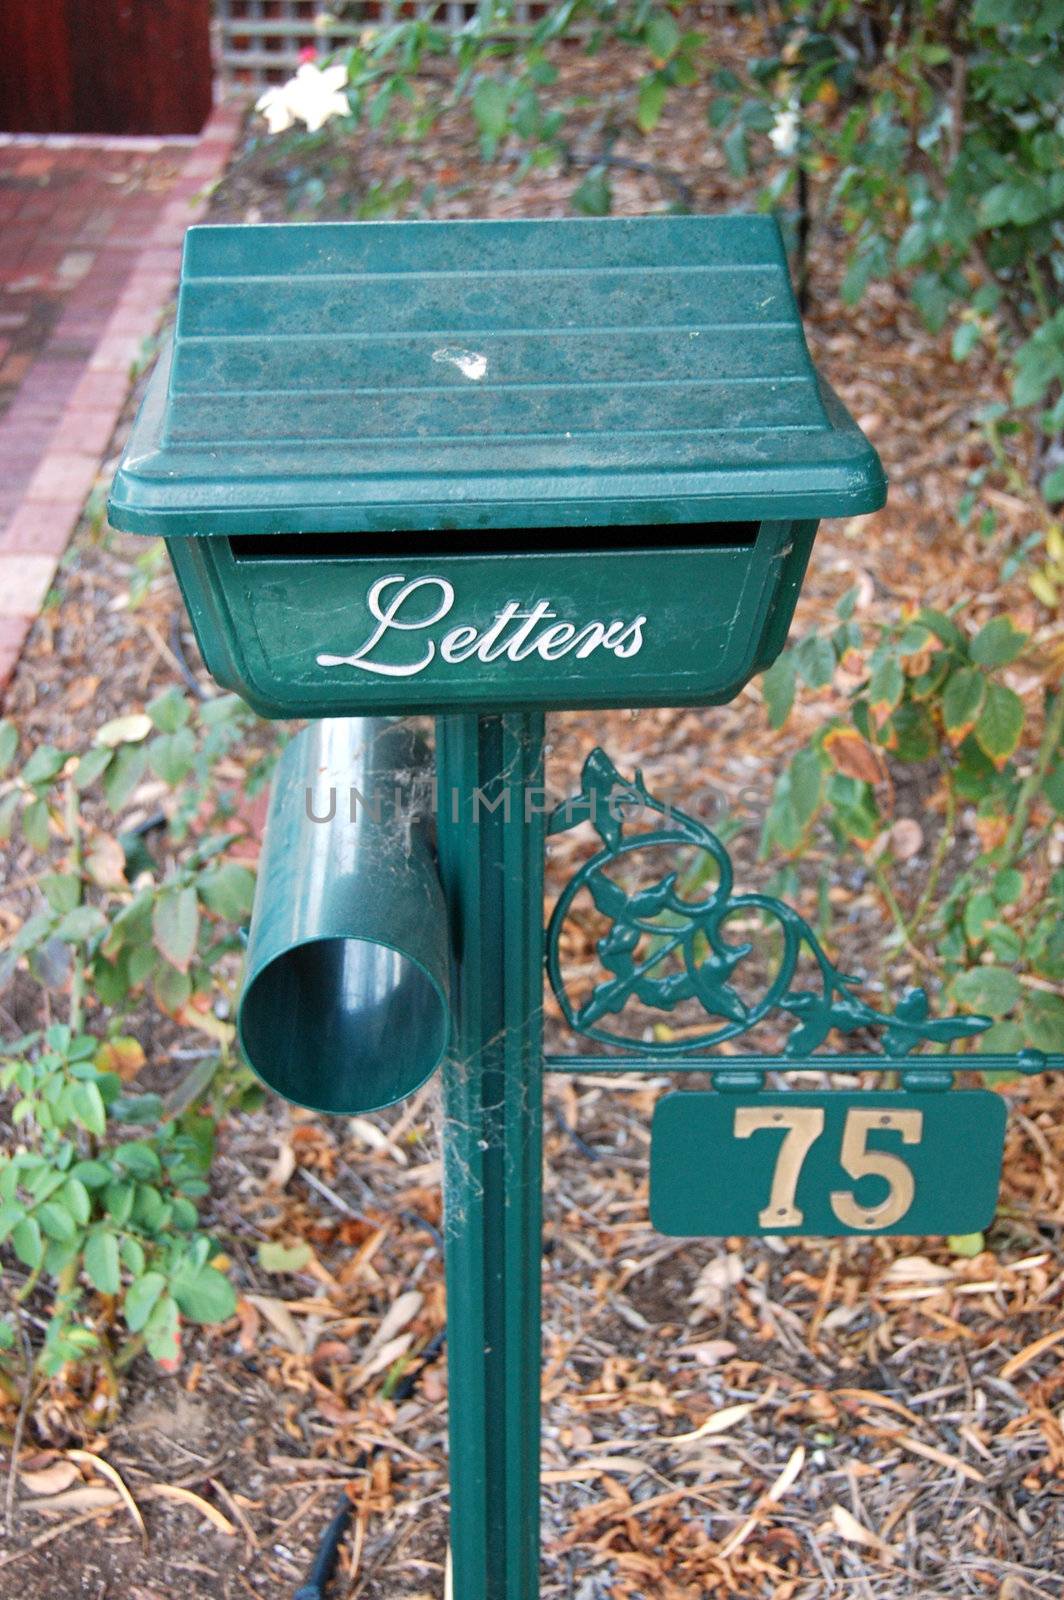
(466, 466)
(702, 619)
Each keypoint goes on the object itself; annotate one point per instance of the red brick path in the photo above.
(90, 246)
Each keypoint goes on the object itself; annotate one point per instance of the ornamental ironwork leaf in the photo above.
(609, 897)
(665, 946)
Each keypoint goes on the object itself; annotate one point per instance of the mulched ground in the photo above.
(867, 1418)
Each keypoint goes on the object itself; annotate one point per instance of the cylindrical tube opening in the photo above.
(346, 1001)
(344, 1025)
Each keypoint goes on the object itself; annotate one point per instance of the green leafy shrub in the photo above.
(935, 132)
(81, 1203)
(987, 915)
(100, 1192)
(506, 76)
(930, 133)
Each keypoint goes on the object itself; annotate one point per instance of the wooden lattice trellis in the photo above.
(259, 41)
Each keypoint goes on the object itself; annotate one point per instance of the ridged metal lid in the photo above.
(396, 375)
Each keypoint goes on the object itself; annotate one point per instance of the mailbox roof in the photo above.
(379, 376)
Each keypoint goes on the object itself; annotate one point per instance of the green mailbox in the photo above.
(484, 470)
(485, 465)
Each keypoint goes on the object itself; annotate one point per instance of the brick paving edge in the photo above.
(42, 524)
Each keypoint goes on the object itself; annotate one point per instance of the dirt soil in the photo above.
(888, 1415)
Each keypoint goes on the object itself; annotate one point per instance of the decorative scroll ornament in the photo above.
(651, 925)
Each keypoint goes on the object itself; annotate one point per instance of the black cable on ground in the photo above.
(666, 176)
(177, 650)
(326, 1558)
(324, 1564)
(585, 1149)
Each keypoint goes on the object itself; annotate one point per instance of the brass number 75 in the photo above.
(804, 1125)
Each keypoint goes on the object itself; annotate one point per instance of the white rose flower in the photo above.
(313, 96)
(274, 107)
(784, 131)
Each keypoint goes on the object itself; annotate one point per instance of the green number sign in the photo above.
(835, 1163)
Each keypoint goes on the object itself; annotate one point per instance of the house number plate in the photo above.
(826, 1164)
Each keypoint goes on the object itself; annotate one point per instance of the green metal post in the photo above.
(491, 833)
